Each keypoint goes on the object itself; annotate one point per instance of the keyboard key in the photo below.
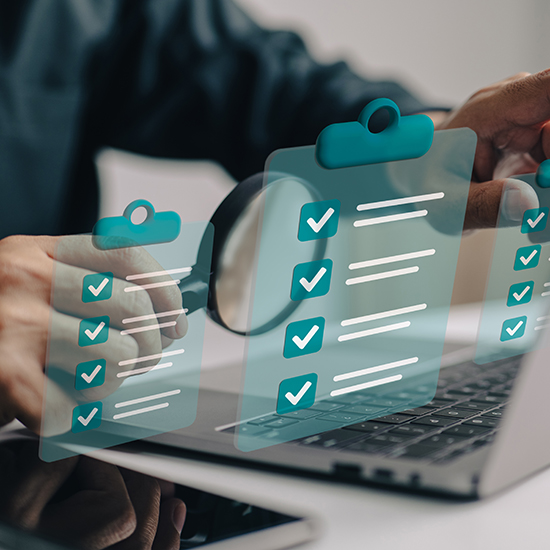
(332, 439)
(438, 403)
(466, 431)
(501, 393)
(413, 431)
(466, 390)
(416, 451)
(367, 427)
(442, 440)
(485, 422)
(380, 402)
(344, 418)
(490, 399)
(472, 406)
(325, 406)
(301, 415)
(347, 399)
(280, 423)
(419, 411)
(393, 419)
(391, 438)
(433, 421)
(363, 410)
(493, 414)
(455, 413)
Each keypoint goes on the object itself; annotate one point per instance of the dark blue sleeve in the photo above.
(198, 79)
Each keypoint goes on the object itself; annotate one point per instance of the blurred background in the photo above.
(443, 50)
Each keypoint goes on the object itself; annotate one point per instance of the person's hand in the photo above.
(87, 503)
(27, 269)
(510, 119)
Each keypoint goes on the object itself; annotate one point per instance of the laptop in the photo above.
(483, 431)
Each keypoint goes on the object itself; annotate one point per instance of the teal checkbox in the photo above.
(527, 257)
(520, 294)
(296, 393)
(513, 328)
(311, 279)
(90, 374)
(93, 331)
(534, 220)
(319, 220)
(304, 337)
(97, 287)
(87, 417)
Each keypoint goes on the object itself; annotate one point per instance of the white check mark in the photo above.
(295, 399)
(525, 260)
(310, 285)
(89, 418)
(97, 291)
(89, 377)
(512, 331)
(518, 297)
(317, 226)
(303, 343)
(93, 335)
(534, 223)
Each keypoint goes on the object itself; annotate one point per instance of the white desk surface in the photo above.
(363, 517)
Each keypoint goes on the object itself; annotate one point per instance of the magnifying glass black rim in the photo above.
(224, 219)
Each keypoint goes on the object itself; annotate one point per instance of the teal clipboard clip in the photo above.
(120, 232)
(353, 144)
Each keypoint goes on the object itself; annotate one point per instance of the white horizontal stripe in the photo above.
(547, 284)
(383, 315)
(372, 331)
(158, 273)
(146, 398)
(153, 316)
(542, 327)
(372, 370)
(150, 357)
(400, 202)
(140, 411)
(127, 373)
(366, 385)
(383, 275)
(392, 259)
(545, 318)
(546, 293)
(147, 328)
(151, 285)
(392, 218)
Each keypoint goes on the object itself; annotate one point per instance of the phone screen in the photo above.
(82, 502)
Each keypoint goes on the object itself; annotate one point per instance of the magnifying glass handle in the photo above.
(194, 293)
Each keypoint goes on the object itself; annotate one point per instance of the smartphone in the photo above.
(63, 494)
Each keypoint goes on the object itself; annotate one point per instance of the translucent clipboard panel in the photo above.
(115, 372)
(517, 297)
(365, 257)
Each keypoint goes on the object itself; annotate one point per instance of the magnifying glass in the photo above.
(250, 212)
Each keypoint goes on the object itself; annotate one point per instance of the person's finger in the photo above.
(484, 202)
(171, 522)
(126, 304)
(133, 264)
(144, 492)
(31, 485)
(98, 513)
(524, 101)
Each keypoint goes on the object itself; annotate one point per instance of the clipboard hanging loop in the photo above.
(121, 232)
(353, 144)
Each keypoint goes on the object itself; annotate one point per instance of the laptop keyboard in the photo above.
(463, 416)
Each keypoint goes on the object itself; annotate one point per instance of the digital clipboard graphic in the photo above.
(117, 367)
(361, 233)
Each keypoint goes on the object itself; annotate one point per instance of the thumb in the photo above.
(484, 203)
